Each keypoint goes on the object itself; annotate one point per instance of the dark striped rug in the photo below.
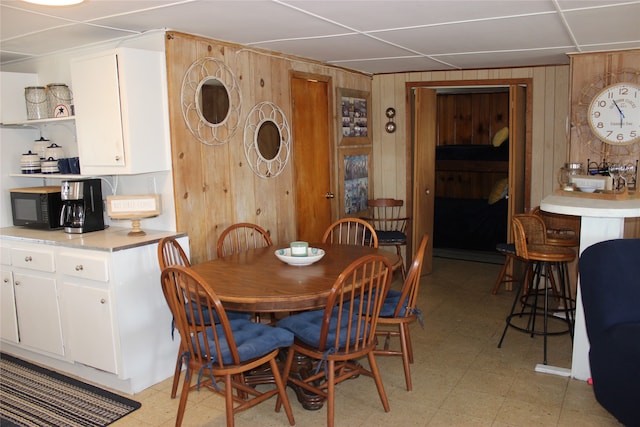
(34, 396)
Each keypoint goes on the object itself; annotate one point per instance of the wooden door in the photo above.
(424, 163)
(517, 153)
(312, 157)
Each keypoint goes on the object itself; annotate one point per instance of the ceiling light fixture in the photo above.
(54, 2)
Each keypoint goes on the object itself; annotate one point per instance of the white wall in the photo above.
(16, 141)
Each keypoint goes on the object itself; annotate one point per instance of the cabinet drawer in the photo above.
(33, 259)
(83, 266)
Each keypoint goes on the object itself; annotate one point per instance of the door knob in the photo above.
(427, 191)
(329, 195)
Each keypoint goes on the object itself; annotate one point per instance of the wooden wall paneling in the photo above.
(400, 134)
(214, 185)
(499, 113)
(279, 197)
(464, 123)
(185, 148)
(541, 115)
(481, 118)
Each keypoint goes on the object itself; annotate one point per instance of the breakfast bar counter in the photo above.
(601, 219)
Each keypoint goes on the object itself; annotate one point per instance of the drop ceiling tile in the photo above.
(608, 25)
(395, 65)
(15, 23)
(528, 58)
(76, 35)
(497, 35)
(267, 21)
(336, 48)
(90, 9)
(376, 15)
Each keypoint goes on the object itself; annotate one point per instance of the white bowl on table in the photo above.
(587, 189)
(313, 255)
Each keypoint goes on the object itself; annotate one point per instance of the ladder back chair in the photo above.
(351, 231)
(170, 252)
(342, 332)
(220, 354)
(389, 223)
(399, 310)
(241, 237)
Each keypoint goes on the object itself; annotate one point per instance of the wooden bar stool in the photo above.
(531, 246)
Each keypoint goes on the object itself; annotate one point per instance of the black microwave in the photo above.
(36, 207)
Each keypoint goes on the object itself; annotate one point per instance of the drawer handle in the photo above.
(79, 267)
(28, 259)
(6, 280)
(17, 283)
(102, 301)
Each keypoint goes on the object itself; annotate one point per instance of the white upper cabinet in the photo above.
(122, 119)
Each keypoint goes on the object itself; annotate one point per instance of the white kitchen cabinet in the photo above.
(35, 288)
(8, 319)
(38, 294)
(87, 309)
(114, 323)
(121, 109)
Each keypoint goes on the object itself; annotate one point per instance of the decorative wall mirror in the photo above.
(267, 140)
(211, 101)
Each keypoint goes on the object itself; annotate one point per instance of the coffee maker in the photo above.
(82, 207)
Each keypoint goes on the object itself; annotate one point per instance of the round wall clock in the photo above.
(596, 120)
(614, 114)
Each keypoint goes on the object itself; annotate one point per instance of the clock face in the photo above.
(614, 114)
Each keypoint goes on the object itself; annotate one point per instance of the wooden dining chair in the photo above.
(342, 332)
(241, 237)
(399, 310)
(351, 231)
(171, 253)
(219, 355)
(389, 223)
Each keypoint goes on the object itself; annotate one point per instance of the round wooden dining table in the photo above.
(257, 281)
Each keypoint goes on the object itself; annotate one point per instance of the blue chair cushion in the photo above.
(391, 236)
(390, 304)
(307, 326)
(231, 315)
(252, 340)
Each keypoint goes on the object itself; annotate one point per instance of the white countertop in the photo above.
(111, 239)
(591, 207)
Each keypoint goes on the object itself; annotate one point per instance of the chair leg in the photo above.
(176, 374)
(186, 386)
(378, 379)
(331, 388)
(285, 375)
(406, 357)
(228, 400)
(403, 269)
(282, 391)
(502, 274)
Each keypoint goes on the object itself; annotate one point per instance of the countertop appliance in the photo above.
(36, 207)
(82, 206)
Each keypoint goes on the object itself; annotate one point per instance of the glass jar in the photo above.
(566, 172)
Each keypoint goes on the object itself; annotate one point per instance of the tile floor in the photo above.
(460, 377)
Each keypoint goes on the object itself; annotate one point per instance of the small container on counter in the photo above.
(30, 163)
